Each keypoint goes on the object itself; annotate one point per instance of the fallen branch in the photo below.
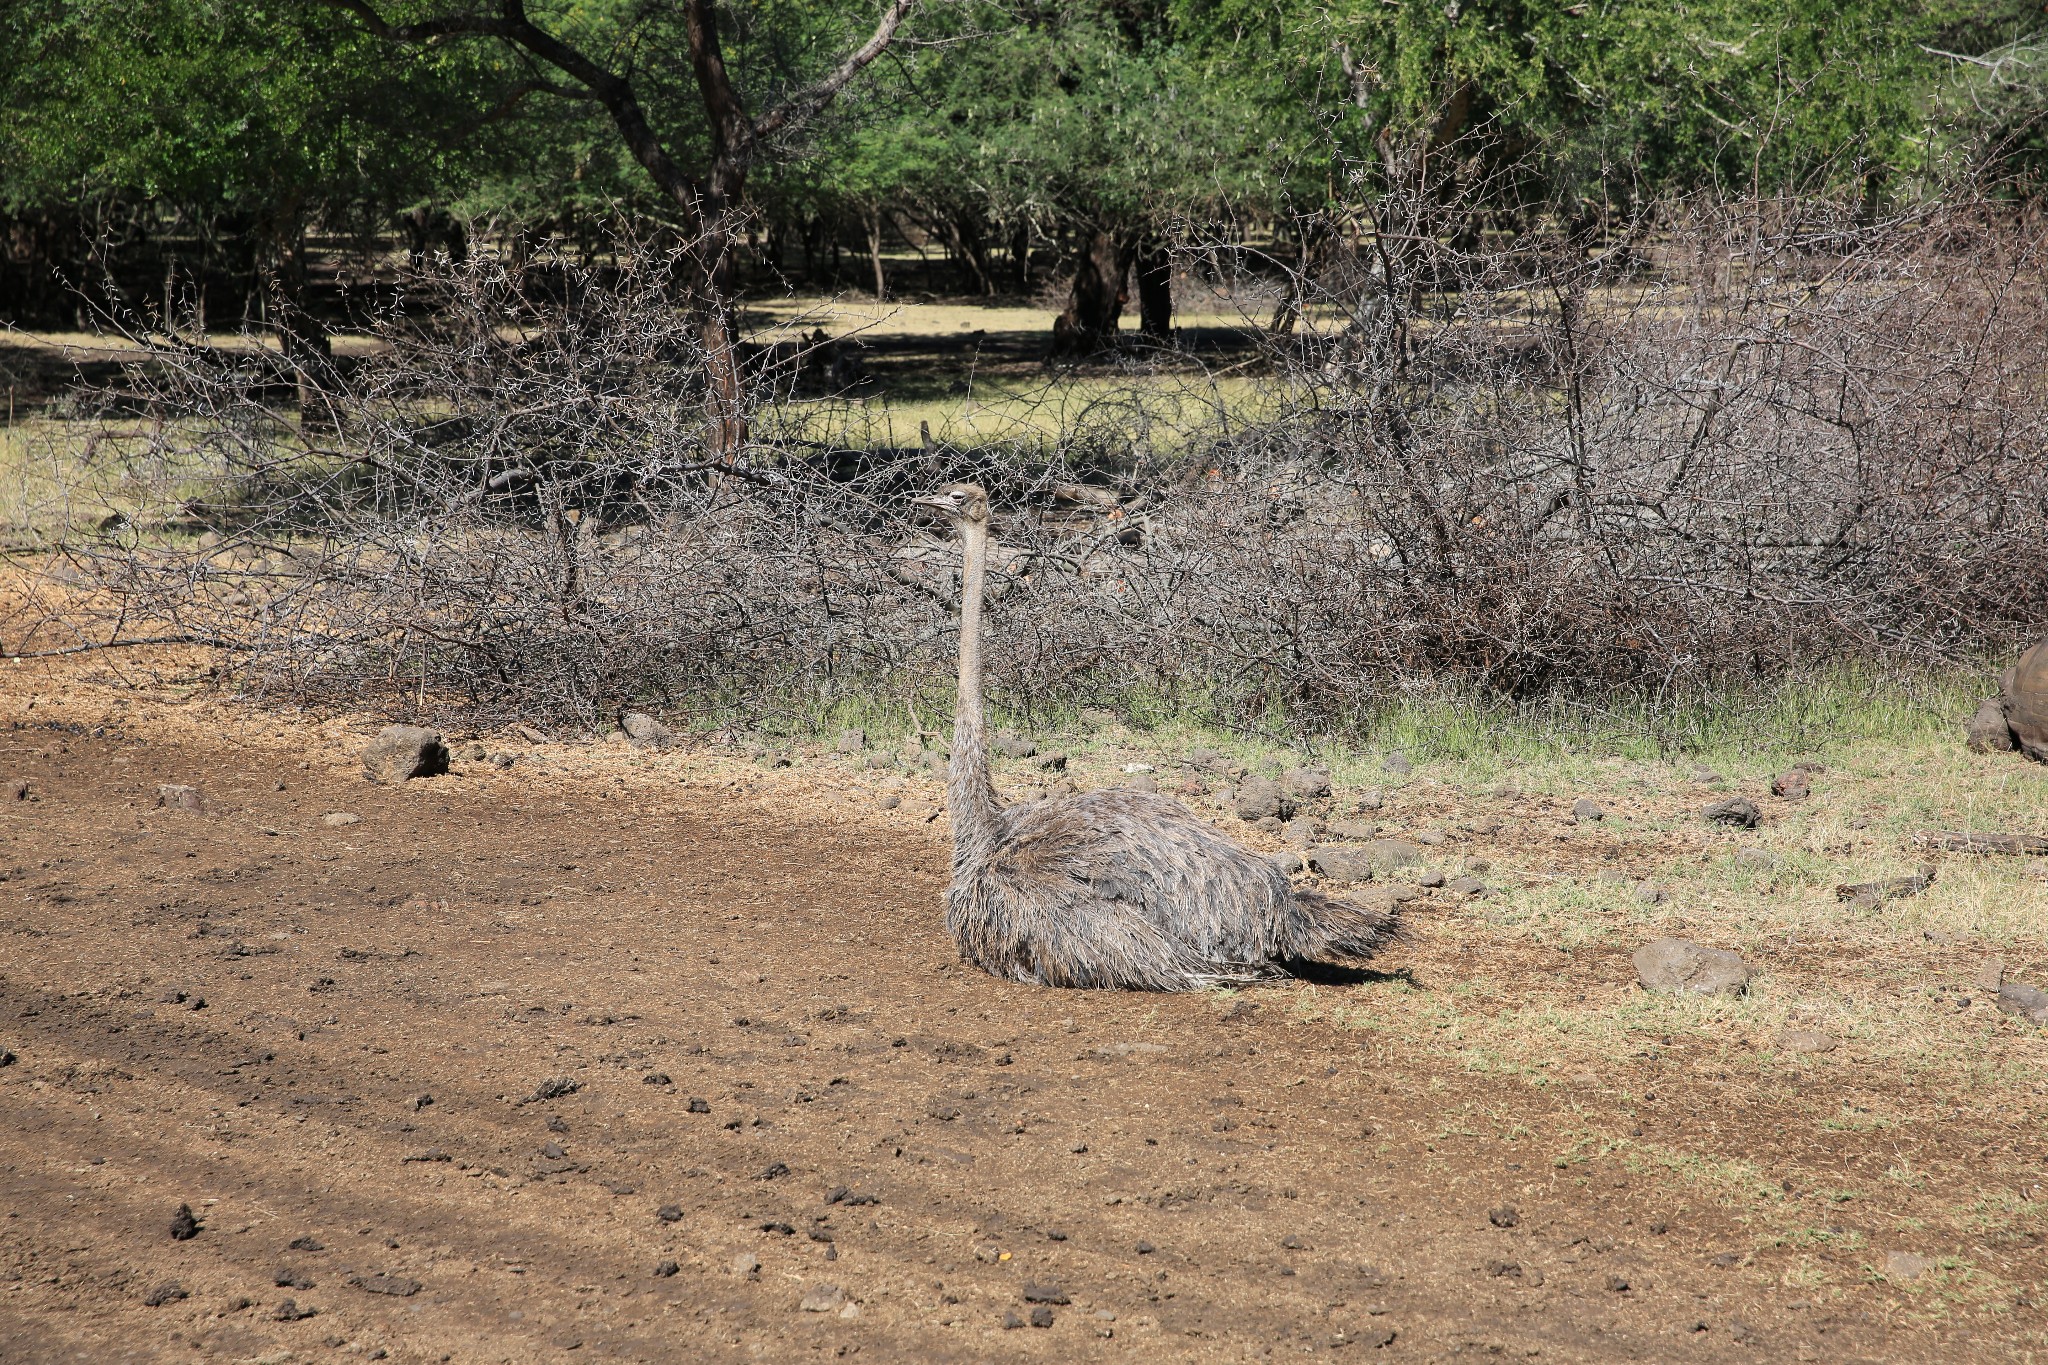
(1892, 889)
(209, 640)
(1954, 842)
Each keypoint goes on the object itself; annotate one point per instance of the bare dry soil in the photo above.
(656, 1063)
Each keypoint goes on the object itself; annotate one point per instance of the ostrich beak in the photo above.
(938, 502)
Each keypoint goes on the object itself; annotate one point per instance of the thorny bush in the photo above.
(1731, 443)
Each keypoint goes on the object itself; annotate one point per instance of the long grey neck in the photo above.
(970, 792)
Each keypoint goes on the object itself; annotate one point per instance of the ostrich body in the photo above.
(1110, 889)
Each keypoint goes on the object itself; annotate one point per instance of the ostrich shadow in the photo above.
(1335, 974)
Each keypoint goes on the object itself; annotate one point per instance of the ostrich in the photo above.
(1110, 889)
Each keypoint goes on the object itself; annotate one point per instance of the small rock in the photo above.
(1672, 964)
(1393, 852)
(1288, 863)
(338, 818)
(852, 741)
(665, 1270)
(1990, 976)
(554, 1088)
(305, 1244)
(1303, 831)
(172, 796)
(1738, 810)
(1752, 856)
(1905, 1265)
(1707, 776)
(1305, 784)
(289, 1311)
(670, 1213)
(1397, 763)
(1498, 1269)
(1011, 1322)
(1370, 801)
(1792, 785)
(822, 1298)
(1041, 1317)
(1586, 810)
(1375, 1338)
(1260, 799)
(1469, 886)
(699, 1105)
(774, 1170)
(1010, 744)
(1870, 895)
(1342, 864)
(1806, 1041)
(2025, 1002)
(1053, 763)
(184, 1227)
(656, 1078)
(744, 1265)
(14, 789)
(165, 1293)
(553, 1151)
(1617, 1284)
(502, 760)
(1143, 782)
(395, 1286)
(1429, 877)
(1431, 838)
(1988, 731)
(1506, 1216)
(402, 752)
(1044, 1293)
(645, 731)
(1651, 894)
(1145, 1248)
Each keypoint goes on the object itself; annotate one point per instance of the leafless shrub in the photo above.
(1706, 448)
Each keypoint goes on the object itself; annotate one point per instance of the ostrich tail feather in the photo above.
(1342, 929)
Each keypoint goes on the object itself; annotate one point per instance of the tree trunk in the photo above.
(1020, 254)
(301, 337)
(871, 218)
(1097, 300)
(1154, 270)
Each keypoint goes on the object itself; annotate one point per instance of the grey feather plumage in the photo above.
(1112, 889)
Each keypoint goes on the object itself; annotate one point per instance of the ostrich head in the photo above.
(964, 504)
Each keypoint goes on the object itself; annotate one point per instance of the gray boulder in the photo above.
(175, 796)
(1341, 863)
(402, 752)
(1393, 852)
(1305, 784)
(1010, 744)
(645, 731)
(1260, 799)
(2026, 1002)
(1673, 964)
(1585, 810)
(1739, 811)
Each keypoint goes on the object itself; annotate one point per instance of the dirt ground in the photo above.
(610, 1056)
